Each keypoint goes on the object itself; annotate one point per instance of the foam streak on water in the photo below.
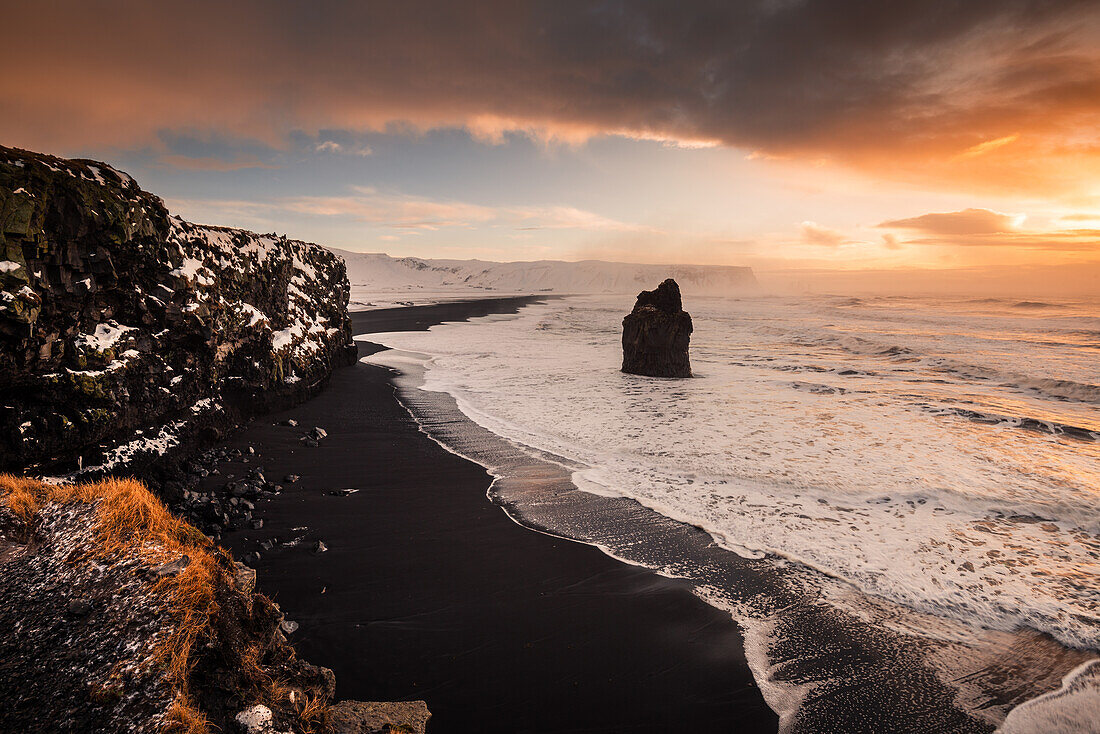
(942, 455)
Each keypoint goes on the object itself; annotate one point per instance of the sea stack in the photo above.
(656, 334)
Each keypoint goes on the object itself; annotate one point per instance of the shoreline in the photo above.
(429, 591)
(822, 652)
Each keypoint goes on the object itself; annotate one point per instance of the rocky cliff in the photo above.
(657, 333)
(125, 331)
(120, 617)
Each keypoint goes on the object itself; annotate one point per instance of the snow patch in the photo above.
(105, 337)
(190, 271)
(255, 315)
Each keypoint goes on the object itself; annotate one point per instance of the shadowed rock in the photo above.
(656, 334)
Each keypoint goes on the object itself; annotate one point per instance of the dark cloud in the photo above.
(966, 222)
(847, 79)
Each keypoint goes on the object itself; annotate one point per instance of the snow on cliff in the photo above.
(372, 274)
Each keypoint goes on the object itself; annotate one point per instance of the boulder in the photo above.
(656, 334)
(172, 568)
(374, 717)
(245, 578)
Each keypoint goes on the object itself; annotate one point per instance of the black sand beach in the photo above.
(428, 590)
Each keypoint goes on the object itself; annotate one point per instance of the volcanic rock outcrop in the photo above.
(656, 334)
(120, 617)
(124, 331)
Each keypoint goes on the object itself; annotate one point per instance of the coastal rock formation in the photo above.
(125, 331)
(120, 617)
(656, 334)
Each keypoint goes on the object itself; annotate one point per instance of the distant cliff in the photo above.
(379, 272)
(123, 329)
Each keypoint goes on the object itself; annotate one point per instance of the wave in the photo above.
(1060, 389)
(1049, 387)
(1036, 304)
(850, 343)
(1030, 424)
(817, 389)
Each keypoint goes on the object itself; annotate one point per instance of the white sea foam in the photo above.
(1072, 709)
(897, 445)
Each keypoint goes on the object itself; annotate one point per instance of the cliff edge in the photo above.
(125, 332)
(121, 617)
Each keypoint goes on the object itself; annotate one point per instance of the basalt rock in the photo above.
(656, 334)
(126, 332)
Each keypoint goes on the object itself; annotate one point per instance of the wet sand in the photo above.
(428, 590)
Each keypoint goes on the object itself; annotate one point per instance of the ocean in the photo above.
(933, 456)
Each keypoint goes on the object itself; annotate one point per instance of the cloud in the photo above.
(404, 212)
(987, 228)
(331, 146)
(966, 222)
(890, 242)
(213, 163)
(1041, 280)
(988, 146)
(1005, 94)
(1067, 240)
(814, 234)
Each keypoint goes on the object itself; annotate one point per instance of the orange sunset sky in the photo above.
(924, 146)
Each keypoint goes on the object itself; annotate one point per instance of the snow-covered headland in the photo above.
(378, 279)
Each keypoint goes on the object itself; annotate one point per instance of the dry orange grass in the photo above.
(312, 714)
(311, 711)
(129, 519)
(183, 718)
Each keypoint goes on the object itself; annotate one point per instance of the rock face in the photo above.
(124, 331)
(656, 334)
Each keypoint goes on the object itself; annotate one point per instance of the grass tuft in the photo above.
(312, 714)
(184, 718)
